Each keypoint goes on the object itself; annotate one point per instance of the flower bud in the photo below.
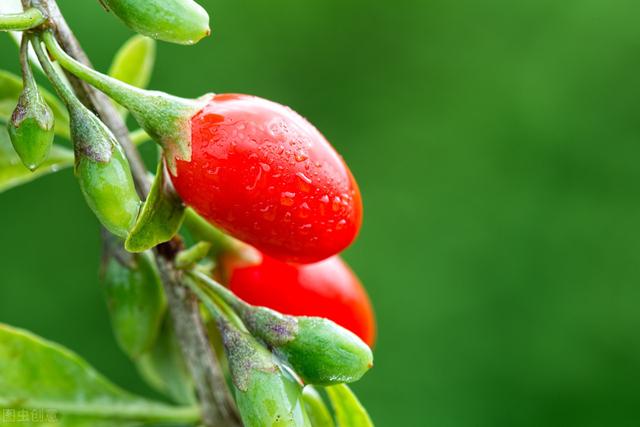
(103, 172)
(31, 127)
(135, 299)
(266, 394)
(176, 21)
(319, 350)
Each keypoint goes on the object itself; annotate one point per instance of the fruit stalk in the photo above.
(30, 18)
(217, 406)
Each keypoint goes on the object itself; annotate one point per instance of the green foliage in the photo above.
(318, 412)
(133, 63)
(13, 172)
(38, 375)
(160, 218)
(348, 409)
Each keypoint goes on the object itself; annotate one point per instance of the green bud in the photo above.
(319, 350)
(176, 21)
(266, 394)
(32, 124)
(104, 173)
(316, 409)
(135, 298)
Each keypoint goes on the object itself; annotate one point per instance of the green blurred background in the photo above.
(497, 144)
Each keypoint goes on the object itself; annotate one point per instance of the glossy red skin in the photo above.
(327, 289)
(265, 175)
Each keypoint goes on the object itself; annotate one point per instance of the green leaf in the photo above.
(39, 375)
(160, 218)
(316, 409)
(13, 173)
(133, 63)
(10, 90)
(163, 367)
(348, 409)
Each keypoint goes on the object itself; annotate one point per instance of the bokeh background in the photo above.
(497, 144)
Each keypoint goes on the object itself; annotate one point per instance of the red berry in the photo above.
(265, 175)
(327, 289)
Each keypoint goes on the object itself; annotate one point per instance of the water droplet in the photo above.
(304, 210)
(324, 199)
(286, 198)
(340, 225)
(301, 156)
(268, 213)
(304, 177)
(336, 204)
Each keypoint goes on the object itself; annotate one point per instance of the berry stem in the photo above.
(30, 18)
(64, 91)
(220, 291)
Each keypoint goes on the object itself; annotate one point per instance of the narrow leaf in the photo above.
(10, 90)
(13, 173)
(160, 218)
(348, 409)
(39, 375)
(133, 63)
(316, 409)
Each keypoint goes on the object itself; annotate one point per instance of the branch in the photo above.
(218, 409)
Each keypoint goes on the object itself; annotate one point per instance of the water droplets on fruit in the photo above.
(335, 205)
(287, 198)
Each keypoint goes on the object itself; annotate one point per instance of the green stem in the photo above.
(27, 75)
(64, 91)
(121, 92)
(223, 293)
(139, 137)
(227, 304)
(30, 18)
(200, 229)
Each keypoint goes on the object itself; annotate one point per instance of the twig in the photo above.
(218, 409)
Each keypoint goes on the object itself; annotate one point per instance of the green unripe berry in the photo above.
(176, 21)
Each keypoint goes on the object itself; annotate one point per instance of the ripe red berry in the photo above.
(327, 289)
(265, 175)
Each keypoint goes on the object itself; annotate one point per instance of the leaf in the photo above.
(160, 218)
(13, 173)
(316, 409)
(10, 90)
(37, 375)
(348, 409)
(133, 63)
(163, 367)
